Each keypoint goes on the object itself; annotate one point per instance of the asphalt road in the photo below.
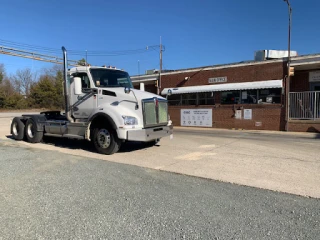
(51, 195)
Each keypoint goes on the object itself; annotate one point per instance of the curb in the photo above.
(262, 132)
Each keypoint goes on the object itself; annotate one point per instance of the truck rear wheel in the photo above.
(17, 129)
(105, 141)
(32, 135)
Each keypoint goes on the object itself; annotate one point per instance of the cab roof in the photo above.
(85, 68)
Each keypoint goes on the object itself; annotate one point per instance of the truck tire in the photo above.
(17, 129)
(32, 135)
(105, 141)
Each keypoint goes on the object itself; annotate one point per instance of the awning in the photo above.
(226, 87)
(306, 64)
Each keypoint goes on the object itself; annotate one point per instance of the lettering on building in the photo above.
(217, 80)
(314, 76)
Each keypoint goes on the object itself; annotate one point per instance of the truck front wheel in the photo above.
(105, 141)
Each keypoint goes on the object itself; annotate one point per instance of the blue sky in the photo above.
(195, 33)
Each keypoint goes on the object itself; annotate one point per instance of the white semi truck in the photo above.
(101, 106)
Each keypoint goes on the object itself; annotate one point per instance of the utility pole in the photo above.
(162, 48)
(289, 63)
(139, 68)
(159, 84)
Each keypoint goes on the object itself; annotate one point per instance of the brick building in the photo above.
(246, 95)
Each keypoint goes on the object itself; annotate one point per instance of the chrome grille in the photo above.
(155, 112)
(150, 114)
(163, 112)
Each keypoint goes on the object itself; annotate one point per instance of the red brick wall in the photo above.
(261, 72)
(270, 116)
(148, 88)
(304, 127)
(300, 82)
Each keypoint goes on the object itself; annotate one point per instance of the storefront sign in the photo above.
(196, 117)
(217, 80)
(314, 76)
(247, 114)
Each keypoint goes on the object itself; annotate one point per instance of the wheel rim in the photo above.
(104, 138)
(15, 128)
(30, 130)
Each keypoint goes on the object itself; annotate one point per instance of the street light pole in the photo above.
(288, 66)
(160, 70)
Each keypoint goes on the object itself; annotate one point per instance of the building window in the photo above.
(174, 100)
(206, 98)
(255, 96)
(249, 96)
(272, 95)
(231, 97)
(189, 99)
(261, 96)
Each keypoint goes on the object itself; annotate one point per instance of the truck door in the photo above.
(83, 105)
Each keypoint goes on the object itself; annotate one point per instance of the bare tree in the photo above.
(23, 80)
(2, 73)
(52, 71)
(6, 88)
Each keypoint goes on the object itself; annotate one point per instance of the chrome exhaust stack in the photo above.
(66, 90)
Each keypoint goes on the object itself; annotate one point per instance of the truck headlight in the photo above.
(128, 120)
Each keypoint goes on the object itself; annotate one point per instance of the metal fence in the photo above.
(304, 105)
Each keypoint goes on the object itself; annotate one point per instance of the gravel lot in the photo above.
(51, 195)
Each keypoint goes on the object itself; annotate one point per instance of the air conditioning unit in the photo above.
(263, 55)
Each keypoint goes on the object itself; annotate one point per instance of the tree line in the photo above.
(25, 89)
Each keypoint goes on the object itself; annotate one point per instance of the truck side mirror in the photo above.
(77, 86)
(127, 90)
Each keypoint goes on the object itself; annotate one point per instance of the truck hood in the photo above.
(130, 96)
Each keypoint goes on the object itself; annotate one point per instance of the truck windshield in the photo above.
(110, 78)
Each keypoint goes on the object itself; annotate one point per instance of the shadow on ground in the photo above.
(87, 146)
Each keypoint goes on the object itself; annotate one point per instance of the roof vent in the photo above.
(263, 55)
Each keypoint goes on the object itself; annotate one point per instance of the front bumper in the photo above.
(149, 134)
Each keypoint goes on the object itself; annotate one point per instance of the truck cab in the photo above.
(102, 107)
(108, 92)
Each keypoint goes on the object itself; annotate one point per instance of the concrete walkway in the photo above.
(310, 135)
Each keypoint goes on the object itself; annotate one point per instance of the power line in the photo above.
(97, 53)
